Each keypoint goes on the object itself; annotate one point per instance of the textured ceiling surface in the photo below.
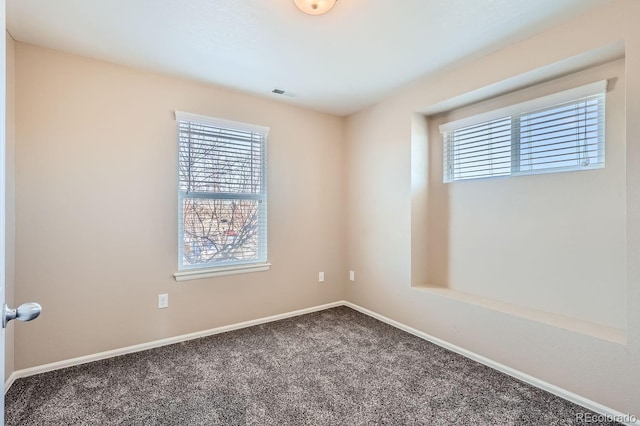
(338, 63)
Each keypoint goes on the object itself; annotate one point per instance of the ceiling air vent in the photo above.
(282, 92)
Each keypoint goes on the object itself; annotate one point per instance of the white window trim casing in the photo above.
(220, 122)
(196, 274)
(208, 271)
(522, 107)
(513, 112)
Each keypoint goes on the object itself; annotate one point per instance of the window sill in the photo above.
(196, 274)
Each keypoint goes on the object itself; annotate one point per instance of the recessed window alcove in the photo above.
(549, 248)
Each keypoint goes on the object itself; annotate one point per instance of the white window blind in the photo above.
(222, 193)
(560, 132)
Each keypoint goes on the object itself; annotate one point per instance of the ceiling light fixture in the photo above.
(315, 7)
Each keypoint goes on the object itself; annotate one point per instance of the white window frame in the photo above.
(508, 120)
(215, 269)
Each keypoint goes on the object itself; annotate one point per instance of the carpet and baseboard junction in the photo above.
(336, 364)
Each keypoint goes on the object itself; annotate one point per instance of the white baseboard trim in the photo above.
(158, 343)
(562, 393)
(12, 378)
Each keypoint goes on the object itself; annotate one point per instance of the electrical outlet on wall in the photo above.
(163, 301)
(320, 277)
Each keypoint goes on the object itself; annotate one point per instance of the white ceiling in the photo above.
(337, 63)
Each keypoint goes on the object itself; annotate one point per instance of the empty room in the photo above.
(320, 212)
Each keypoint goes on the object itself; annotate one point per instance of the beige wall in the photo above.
(385, 227)
(96, 208)
(10, 238)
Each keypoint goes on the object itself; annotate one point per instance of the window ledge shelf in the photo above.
(596, 330)
(197, 274)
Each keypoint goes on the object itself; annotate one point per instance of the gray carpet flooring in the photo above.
(334, 367)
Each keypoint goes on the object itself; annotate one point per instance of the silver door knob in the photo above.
(24, 312)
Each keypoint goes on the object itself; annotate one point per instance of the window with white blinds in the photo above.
(222, 192)
(556, 133)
